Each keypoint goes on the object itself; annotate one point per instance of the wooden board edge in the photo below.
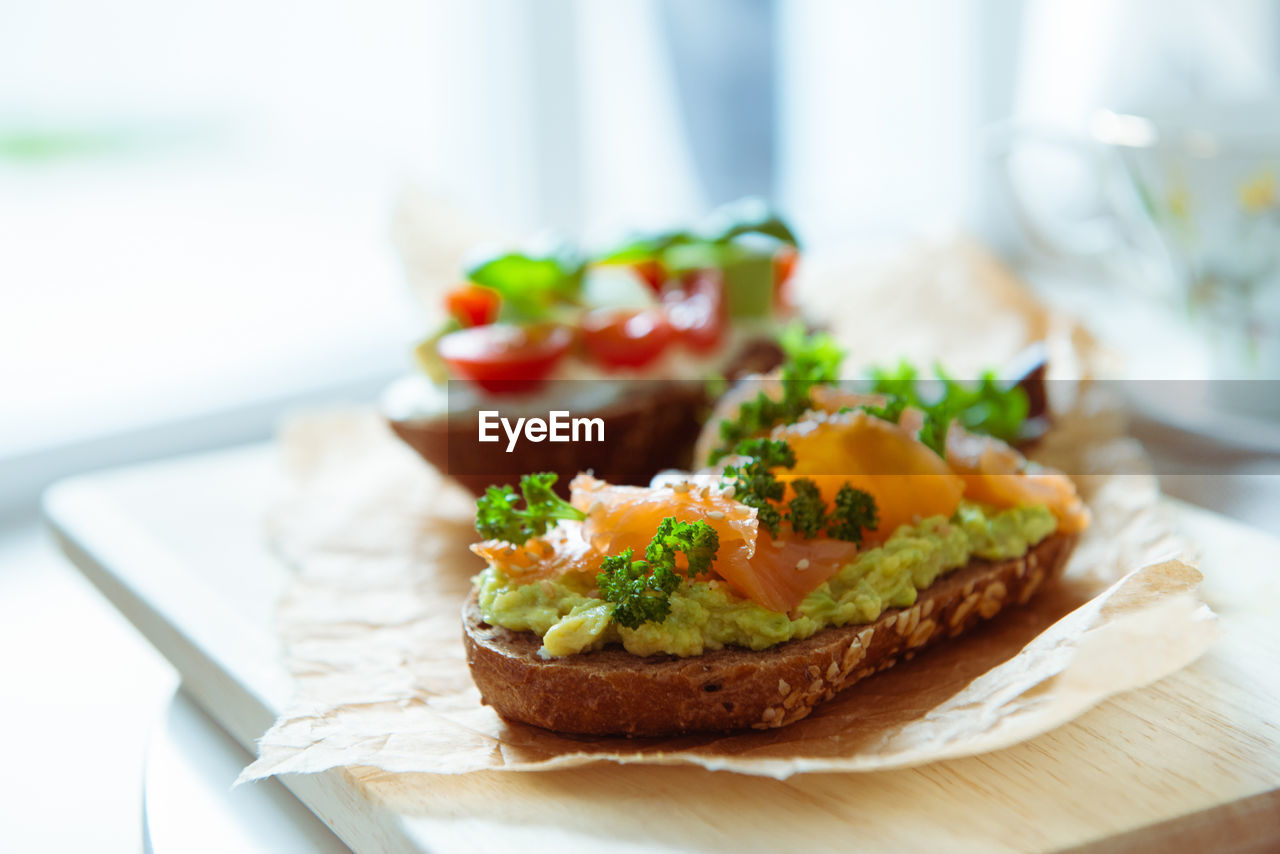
(1245, 826)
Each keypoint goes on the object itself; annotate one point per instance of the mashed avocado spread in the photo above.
(708, 614)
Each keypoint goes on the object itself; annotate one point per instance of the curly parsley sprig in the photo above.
(755, 485)
(989, 406)
(498, 517)
(640, 590)
(810, 360)
(807, 510)
(854, 512)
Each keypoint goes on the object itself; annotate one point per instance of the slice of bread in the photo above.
(612, 692)
(628, 453)
(671, 409)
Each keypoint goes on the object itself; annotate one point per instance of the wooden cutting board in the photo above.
(1191, 762)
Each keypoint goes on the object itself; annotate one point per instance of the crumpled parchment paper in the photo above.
(372, 631)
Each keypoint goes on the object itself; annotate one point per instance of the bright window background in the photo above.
(196, 199)
(197, 204)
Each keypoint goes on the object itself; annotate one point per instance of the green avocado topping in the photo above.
(706, 614)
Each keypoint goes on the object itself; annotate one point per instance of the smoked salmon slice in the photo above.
(625, 517)
(995, 473)
(562, 549)
(785, 570)
(907, 479)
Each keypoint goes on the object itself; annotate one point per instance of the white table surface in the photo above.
(132, 756)
(190, 806)
(80, 694)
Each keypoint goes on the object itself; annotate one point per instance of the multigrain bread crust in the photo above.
(611, 692)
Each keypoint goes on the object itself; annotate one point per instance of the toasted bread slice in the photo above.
(628, 454)
(652, 427)
(612, 692)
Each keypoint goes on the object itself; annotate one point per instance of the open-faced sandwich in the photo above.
(832, 533)
(627, 338)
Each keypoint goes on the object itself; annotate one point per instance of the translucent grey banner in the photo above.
(625, 431)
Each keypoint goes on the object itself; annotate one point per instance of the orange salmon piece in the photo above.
(562, 549)
(626, 517)
(777, 574)
(906, 478)
(995, 473)
(784, 571)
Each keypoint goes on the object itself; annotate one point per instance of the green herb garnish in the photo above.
(697, 541)
(933, 430)
(640, 590)
(646, 247)
(854, 511)
(933, 427)
(498, 517)
(807, 512)
(899, 381)
(754, 484)
(810, 360)
(989, 407)
(531, 284)
(724, 225)
(992, 407)
(746, 216)
(891, 411)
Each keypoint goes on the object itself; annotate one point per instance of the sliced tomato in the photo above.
(697, 310)
(503, 357)
(626, 338)
(652, 272)
(784, 267)
(472, 305)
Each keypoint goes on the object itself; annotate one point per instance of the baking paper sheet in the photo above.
(372, 633)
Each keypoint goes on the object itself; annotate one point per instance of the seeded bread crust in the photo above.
(612, 692)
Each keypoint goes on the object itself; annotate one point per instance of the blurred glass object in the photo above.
(1128, 56)
(1188, 195)
(1206, 179)
(1141, 151)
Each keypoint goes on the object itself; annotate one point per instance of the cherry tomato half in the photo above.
(503, 357)
(626, 338)
(697, 310)
(472, 305)
(652, 272)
